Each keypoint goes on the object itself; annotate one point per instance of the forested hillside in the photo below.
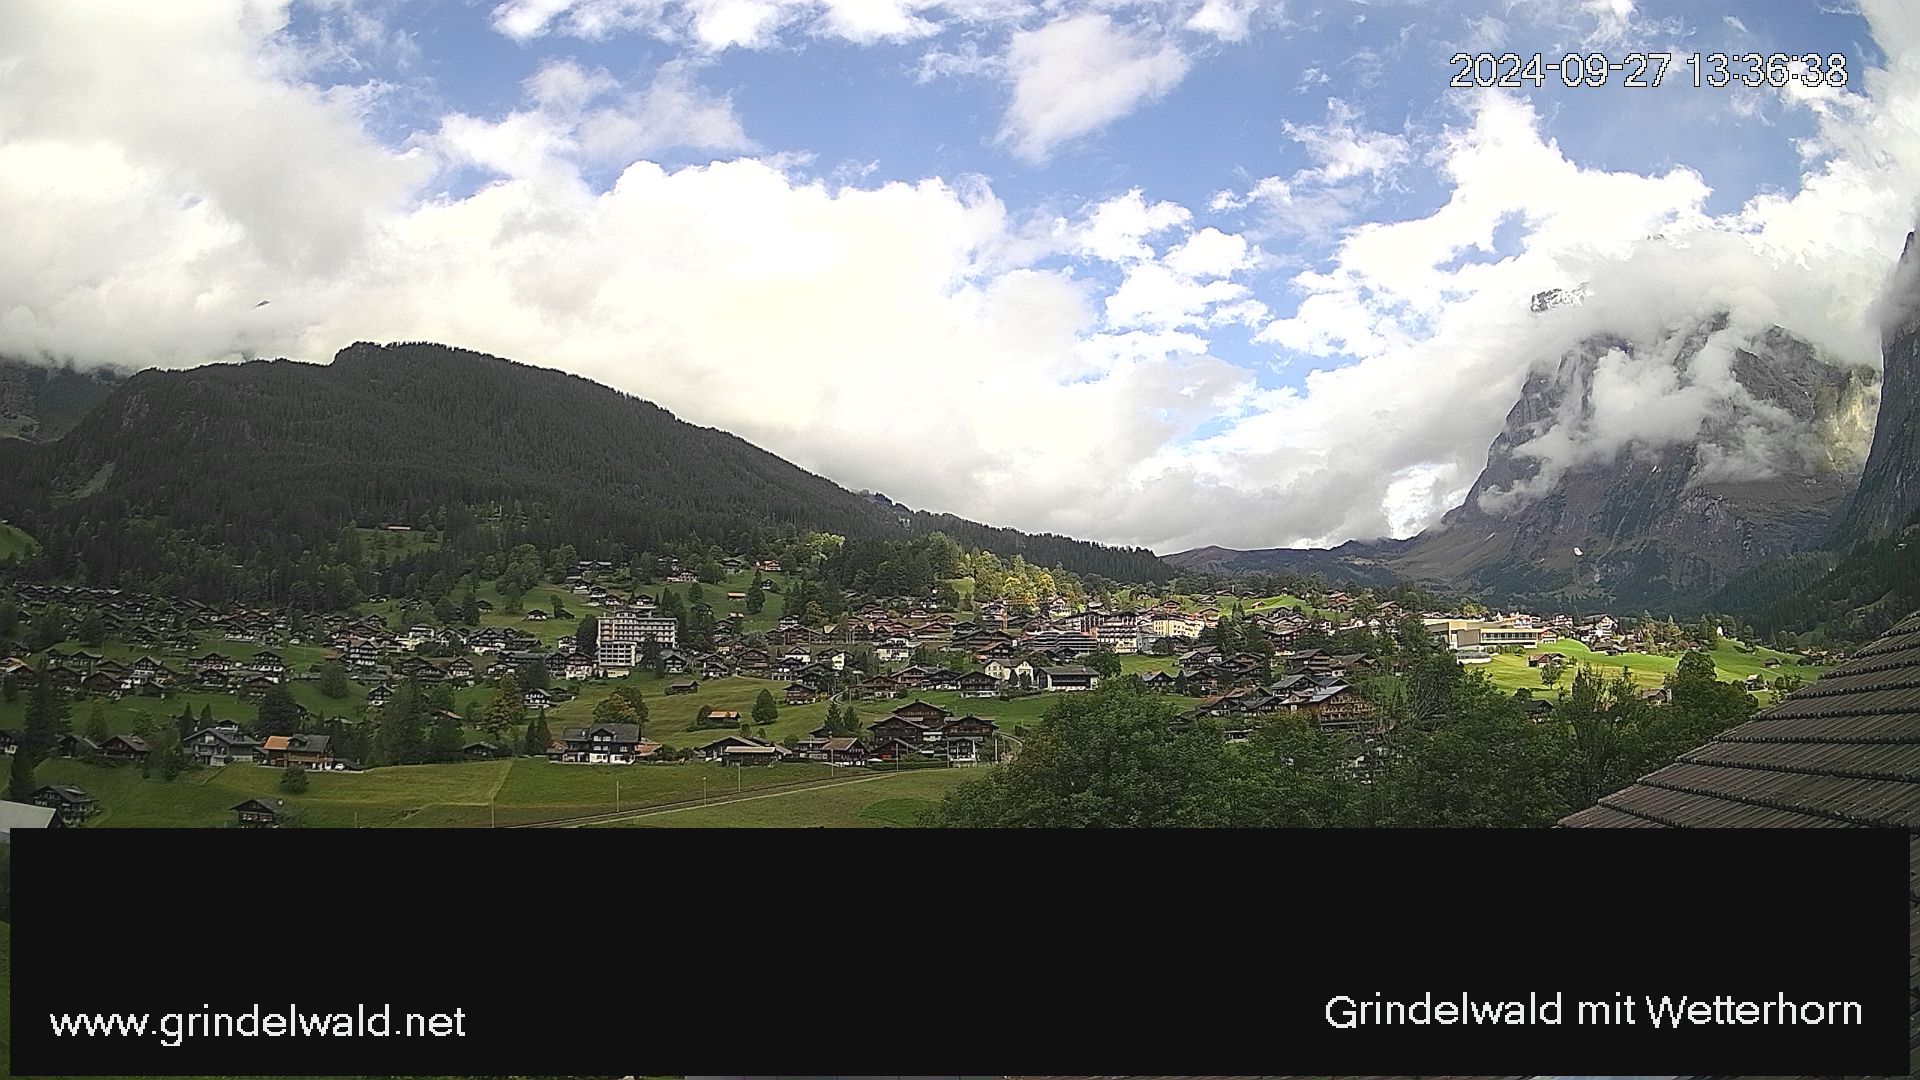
(223, 481)
(40, 403)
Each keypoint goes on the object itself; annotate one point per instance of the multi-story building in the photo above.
(623, 637)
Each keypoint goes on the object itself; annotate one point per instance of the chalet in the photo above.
(1160, 682)
(71, 745)
(602, 744)
(752, 755)
(221, 744)
(743, 749)
(482, 749)
(307, 751)
(912, 731)
(876, 686)
(379, 696)
(9, 742)
(822, 747)
(801, 694)
(963, 737)
(257, 686)
(69, 803)
(538, 699)
(536, 615)
(267, 665)
(722, 718)
(1066, 678)
(1339, 708)
(460, 671)
(360, 652)
(682, 688)
(125, 748)
(1019, 671)
(261, 813)
(977, 684)
(923, 712)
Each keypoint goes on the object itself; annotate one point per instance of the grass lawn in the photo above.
(864, 801)
(14, 541)
(542, 791)
(1140, 664)
(458, 794)
(1511, 672)
(670, 719)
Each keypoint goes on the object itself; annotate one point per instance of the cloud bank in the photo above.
(1058, 370)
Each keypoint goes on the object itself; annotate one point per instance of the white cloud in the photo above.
(1070, 361)
(1229, 20)
(716, 25)
(1344, 151)
(1078, 74)
(1117, 229)
(1610, 18)
(564, 127)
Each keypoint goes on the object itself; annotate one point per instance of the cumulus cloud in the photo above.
(1078, 74)
(579, 116)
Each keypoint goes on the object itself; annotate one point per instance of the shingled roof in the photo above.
(1842, 752)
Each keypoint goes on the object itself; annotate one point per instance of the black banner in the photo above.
(310, 952)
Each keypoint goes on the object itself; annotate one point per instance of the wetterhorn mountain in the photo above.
(1640, 473)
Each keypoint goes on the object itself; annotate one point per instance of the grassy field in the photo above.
(15, 541)
(462, 794)
(1138, 664)
(1511, 672)
(863, 801)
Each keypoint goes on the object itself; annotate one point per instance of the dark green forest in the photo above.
(233, 482)
(1853, 595)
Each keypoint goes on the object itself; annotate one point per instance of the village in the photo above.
(898, 683)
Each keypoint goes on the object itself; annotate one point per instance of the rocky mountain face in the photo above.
(1641, 474)
(1889, 493)
(1561, 510)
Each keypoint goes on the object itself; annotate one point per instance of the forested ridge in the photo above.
(213, 480)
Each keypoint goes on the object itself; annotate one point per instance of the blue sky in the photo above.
(1234, 271)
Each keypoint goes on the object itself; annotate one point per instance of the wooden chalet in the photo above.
(70, 804)
(261, 813)
(221, 744)
(1066, 678)
(125, 748)
(307, 751)
(977, 684)
(598, 744)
